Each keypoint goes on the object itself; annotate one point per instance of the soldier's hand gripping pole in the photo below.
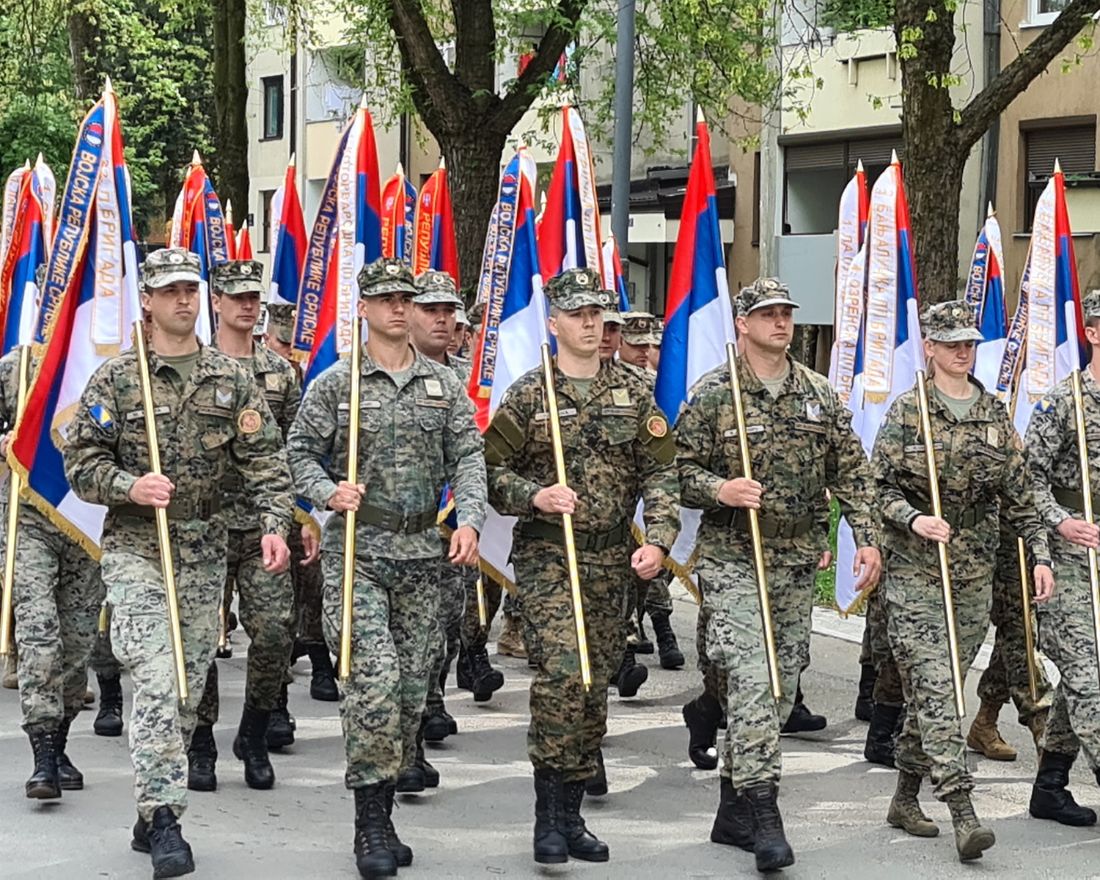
(347, 593)
(1086, 492)
(1029, 638)
(566, 518)
(754, 529)
(164, 538)
(15, 484)
(941, 549)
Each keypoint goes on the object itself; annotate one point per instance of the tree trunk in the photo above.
(230, 103)
(933, 180)
(83, 44)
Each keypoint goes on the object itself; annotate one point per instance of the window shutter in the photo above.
(1074, 147)
(814, 157)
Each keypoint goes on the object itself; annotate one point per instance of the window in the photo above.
(265, 197)
(1043, 12)
(273, 107)
(1072, 145)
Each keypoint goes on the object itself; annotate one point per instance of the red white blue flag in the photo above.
(434, 244)
(846, 360)
(288, 232)
(27, 243)
(244, 243)
(398, 215)
(985, 294)
(613, 270)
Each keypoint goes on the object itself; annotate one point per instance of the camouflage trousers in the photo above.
(1066, 637)
(393, 628)
(266, 610)
(714, 679)
(161, 725)
(56, 599)
(931, 740)
(652, 596)
(568, 723)
(473, 636)
(1006, 675)
(309, 590)
(103, 661)
(452, 607)
(877, 652)
(735, 647)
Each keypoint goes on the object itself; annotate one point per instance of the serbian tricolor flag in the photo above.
(434, 228)
(569, 228)
(89, 305)
(613, 271)
(244, 243)
(27, 248)
(845, 362)
(346, 235)
(199, 226)
(398, 216)
(985, 294)
(288, 232)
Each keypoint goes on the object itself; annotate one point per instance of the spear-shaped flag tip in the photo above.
(26, 164)
(363, 103)
(1057, 167)
(400, 169)
(859, 166)
(290, 164)
(699, 117)
(229, 209)
(195, 158)
(894, 157)
(108, 89)
(442, 164)
(989, 212)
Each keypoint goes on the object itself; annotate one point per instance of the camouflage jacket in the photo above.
(416, 435)
(1053, 460)
(219, 424)
(801, 443)
(462, 368)
(618, 448)
(982, 476)
(278, 382)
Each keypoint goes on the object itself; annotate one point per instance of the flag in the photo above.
(434, 244)
(244, 243)
(12, 187)
(89, 305)
(398, 216)
(230, 231)
(29, 235)
(199, 226)
(845, 361)
(288, 232)
(613, 271)
(985, 294)
(346, 234)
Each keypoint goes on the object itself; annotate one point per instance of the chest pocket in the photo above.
(431, 414)
(619, 425)
(214, 427)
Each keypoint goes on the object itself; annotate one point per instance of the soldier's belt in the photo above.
(957, 517)
(1072, 500)
(738, 518)
(178, 509)
(396, 520)
(584, 541)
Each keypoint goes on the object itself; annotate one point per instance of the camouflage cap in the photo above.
(385, 275)
(436, 288)
(280, 321)
(640, 328)
(169, 265)
(575, 289)
(237, 277)
(460, 317)
(761, 293)
(475, 314)
(950, 322)
(1091, 304)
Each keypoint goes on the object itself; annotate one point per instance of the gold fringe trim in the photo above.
(858, 606)
(60, 522)
(304, 519)
(682, 572)
(488, 569)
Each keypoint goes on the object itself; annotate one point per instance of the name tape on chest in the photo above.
(136, 414)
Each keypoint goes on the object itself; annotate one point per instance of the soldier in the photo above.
(982, 476)
(802, 444)
(617, 448)
(638, 335)
(1065, 623)
(266, 598)
(461, 333)
(56, 596)
(212, 421)
(416, 435)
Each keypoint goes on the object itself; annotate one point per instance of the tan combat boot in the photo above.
(971, 837)
(984, 736)
(510, 643)
(905, 812)
(1037, 724)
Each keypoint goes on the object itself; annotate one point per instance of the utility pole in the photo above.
(624, 125)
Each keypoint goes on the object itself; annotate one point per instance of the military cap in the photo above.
(385, 275)
(611, 313)
(280, 321)
(575, 289)
(761, 293)
(640, 328)
(436, 288)
(476, 313)
(237, 277)
(1091, 304)
(169, 265)
(950, 322)
(460, 316)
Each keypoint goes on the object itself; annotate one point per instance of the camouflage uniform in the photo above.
(217, 423)
(416, 435)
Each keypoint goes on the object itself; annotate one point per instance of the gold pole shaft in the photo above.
(347, 595)
(482, 612)
(1086, 492)
(941, 549)
(104, 624)
(566, 518)
(1029, 638)
(15, 484)
(754, 529)
(222, 635)
(164, 538)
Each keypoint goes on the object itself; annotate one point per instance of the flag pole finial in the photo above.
(699, 117)
(26, 164)
(1057, 166)
(989, 212)
(894, 158)
(442, 164)
(229, 210)
(291, 164)
(195, 158)
(859, 166)
(400, 169)
(363, 103)
(108, 89)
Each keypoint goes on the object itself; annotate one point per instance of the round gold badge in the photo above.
(657, 426)
(249, 421)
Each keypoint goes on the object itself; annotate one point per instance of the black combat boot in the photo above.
(667, 647)
(631, 675)
(322, 685)
(801, 719)
(638, 640)
(431, 775)
(582, 843)
(1050, 799)
(373, 857)
(865, 703)
(733, 822)
(108, 721)
(171, 854)
(402, 854)
(702, 716)
(551, 847)
(879, 748)
(411, 779)
(280, 729)
(437, 724)
(44, 783)
(140, 840)
(770, 843)
(70, 778)
(484, 680)
(596, 785)
(202, 759)
(250, 746)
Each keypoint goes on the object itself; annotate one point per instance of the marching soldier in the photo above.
(266, 598)
(639, 334)
(982, 477)
(212, 421)
(416, 435)
(802, 444)
(617, 448)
